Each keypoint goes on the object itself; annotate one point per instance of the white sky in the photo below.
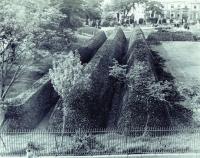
(189, 1)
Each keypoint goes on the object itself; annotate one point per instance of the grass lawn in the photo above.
(183, 62)
(182, 59)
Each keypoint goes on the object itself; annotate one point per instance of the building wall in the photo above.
(185, 10)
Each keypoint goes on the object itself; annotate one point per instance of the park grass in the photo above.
(114, 143)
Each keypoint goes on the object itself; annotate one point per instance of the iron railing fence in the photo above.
(100, 142)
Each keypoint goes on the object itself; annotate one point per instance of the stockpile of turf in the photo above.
(88, 51)
(155, 37)
(89, 103)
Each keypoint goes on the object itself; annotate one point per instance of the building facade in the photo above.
(182, 10)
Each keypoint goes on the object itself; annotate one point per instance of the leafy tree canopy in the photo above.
(126, 5)
(155, 7)
(93, 9)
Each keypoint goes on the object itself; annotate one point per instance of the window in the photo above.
(195, 7)
(172, 6)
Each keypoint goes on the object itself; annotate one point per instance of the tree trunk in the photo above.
(87, 20)
(63, 126)
(146, 126)
(148, 119)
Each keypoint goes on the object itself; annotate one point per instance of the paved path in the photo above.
(190, 155)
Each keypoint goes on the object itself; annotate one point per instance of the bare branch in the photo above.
(15, 76)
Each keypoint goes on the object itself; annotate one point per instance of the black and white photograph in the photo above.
(100, 78)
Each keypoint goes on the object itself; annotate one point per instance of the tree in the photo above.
(73, 9)
(155, 8)
(93, 10)
(13, 54)
(64, 75)
(125, 6)
(22, 24)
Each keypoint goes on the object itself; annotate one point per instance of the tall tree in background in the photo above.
(73, 9)
(77, 10)
(93, 10)
(155, 8)
(125, 6)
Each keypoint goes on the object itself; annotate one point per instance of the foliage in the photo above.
(105, 23)
(55, 40)
(33, 146)
(28, 29)
(93, 9)
(65, 73)
(118, 71)
(191, 93)
(86, 144)
(154, 7)
(135, 76)
(14, 53)
(126, 5)
(71, 9)
(159, 90)
(109, 19)
(79, 9)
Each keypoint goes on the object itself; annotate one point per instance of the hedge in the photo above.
(88, 104)
(170, 36)
(134, 106)
(35, 104)
(88, 51)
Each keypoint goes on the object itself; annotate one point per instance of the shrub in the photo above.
(106, 23)
(76, 21)
(118, 71)
(141, 21)
(85, 143)
(163, 35)
(54, 40)
(114, 23)
(164, 21)
(65, 73)
(153, 41)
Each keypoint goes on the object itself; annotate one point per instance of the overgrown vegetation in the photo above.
(86, 143)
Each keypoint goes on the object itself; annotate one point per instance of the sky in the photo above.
(189, 1)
